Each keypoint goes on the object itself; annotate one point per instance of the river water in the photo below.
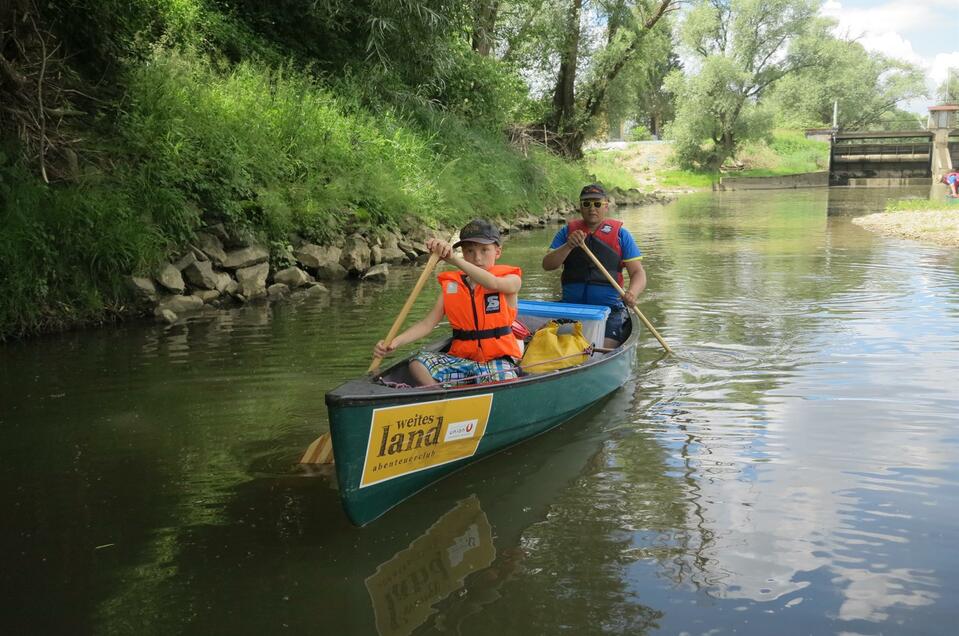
(792, 470)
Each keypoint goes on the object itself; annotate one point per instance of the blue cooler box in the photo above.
(536, 313)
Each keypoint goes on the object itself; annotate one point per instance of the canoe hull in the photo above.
(388, 448)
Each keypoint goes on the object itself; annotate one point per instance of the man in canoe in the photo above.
(615, 248)
(479, 301)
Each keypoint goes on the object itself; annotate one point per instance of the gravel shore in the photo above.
(933, 226)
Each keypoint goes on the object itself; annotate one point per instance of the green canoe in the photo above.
(390, 443)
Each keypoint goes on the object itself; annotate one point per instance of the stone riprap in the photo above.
(219, 270)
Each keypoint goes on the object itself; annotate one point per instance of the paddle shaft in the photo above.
(321, 450)
(404, 312)
(635, 308)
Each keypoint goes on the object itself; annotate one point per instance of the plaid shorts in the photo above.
(448, 369)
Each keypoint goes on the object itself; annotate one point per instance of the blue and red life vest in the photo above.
(481, 318)
(604, 244)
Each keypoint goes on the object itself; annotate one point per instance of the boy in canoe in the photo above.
(615, 248)
(479, 300)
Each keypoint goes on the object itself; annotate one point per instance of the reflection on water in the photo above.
(791, 470)
(405, 588)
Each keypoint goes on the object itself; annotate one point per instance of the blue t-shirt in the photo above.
(594, 293)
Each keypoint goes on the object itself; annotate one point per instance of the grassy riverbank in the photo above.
(181, 137)
(649, 165)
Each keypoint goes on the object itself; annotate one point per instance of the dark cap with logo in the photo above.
(479, 231)
(593, 191)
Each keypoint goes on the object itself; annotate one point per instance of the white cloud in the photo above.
(941, 65)
(871, 28)
(877, 20)
(892, 45)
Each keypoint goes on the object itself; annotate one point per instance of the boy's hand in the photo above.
(576, 239)
(439, 247)
(380, 350)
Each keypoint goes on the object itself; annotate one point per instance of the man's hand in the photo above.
(629, 299)
(576, 239)
(439, 247)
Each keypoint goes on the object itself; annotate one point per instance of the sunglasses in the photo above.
(596, 203)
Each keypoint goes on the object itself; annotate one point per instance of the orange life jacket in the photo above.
(481, 319)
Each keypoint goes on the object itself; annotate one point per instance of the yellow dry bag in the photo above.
(555, 346)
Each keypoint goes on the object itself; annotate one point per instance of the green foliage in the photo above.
(687, 179)
(412, 41)
(273, 151)
(265, 150)
(272, 116)
(575, 58)
(64, 252)
(908, 205)
(480, 89)
(637, 93)
(738, 46)
(786, 152)
(712, 120)
(639, 133)
(866, 85)
(269, 150)
(103, 31)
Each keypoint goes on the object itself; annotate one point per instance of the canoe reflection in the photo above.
(405, 589)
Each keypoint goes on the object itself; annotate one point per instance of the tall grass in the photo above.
(273, 151)
(909, 205)
(607, 166)
(265, 150)
(787, 152)
(63, 252)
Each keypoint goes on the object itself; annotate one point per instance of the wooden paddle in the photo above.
(321, 450)
(612, 281)
(401, 317)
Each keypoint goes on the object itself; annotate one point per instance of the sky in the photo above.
(924, 32)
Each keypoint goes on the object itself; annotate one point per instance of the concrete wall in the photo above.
(886, 182)
(785, 182)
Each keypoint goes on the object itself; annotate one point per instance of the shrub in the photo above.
(639, 132)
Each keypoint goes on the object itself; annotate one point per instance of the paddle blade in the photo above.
(320, 451)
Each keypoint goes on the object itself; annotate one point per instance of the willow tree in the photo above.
(618, 29)
(638, 92)
(570, 53)
(741, 48)
(866, 86)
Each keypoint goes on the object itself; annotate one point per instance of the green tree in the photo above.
(949, 89)
(484, 25)
(572, 52)
(867, 86)
(741, 48)
(638, 93)
(576, 105)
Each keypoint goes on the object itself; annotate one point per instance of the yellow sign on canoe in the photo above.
(405, 588)
(413, 437)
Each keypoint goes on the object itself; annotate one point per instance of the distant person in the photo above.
(951, 179)
(480, 303)
(613, 246)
